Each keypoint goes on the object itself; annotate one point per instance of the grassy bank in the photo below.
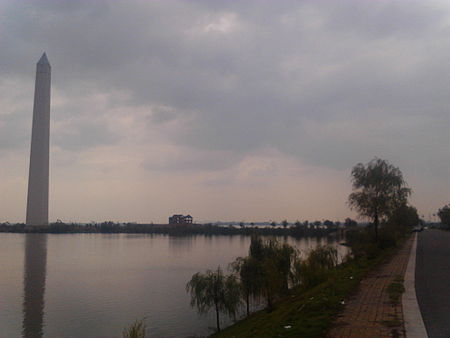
(308, 313)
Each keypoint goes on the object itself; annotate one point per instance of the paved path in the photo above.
(433, 281)
(369, 313)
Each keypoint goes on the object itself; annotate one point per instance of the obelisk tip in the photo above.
(43, 60)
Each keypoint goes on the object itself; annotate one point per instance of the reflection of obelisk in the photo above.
(37, 203)
(34, 284)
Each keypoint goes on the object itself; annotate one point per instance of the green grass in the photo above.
(307, 313)
(395, 290)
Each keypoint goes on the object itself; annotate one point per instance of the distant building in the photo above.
(180, 219)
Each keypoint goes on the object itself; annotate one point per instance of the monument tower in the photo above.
(37, 202)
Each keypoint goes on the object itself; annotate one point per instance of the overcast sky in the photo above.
(227, 110)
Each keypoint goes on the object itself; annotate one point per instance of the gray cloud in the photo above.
(15, 128)
(84, 134)
(249, 75)
(191, 161)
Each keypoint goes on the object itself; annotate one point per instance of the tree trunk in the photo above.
(375, 223)
(248, 304)
(269, 303)
(217, 319)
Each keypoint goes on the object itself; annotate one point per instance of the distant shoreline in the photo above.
(170, 229)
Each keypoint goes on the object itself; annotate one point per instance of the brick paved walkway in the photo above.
(369, 313)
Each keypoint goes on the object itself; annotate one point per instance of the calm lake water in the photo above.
(93, 285)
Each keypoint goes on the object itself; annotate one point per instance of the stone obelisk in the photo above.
(37, 202)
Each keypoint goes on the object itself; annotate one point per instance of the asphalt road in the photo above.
(433, 281)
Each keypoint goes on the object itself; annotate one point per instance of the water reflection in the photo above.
(181, 244)
(34, 285)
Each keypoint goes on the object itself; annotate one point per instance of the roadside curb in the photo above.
(412, 317)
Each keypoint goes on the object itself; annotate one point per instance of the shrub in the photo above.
(316, 268)
(362, 243)
(135, 330)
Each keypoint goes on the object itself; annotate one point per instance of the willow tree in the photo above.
(268, 269)
(214, 289)
(378, 190)
(135, 330)
(251, 275)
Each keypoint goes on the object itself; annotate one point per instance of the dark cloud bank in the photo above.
(331, 83)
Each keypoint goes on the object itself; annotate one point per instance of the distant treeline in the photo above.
(299, 230)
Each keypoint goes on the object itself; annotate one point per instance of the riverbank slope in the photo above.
(354, 302)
